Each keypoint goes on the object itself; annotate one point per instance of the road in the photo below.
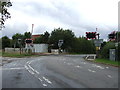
(62, 71)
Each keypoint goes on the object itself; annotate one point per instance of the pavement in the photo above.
(57, 71)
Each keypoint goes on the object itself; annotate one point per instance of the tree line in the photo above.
(71, 43)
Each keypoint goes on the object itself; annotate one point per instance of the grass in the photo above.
(106, 61)
(18, 55)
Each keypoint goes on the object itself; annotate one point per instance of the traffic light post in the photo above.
(97, 41)
(28, 45)
(113, 36)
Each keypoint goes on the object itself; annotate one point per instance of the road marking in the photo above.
(47, 80)
(44, 85)
(107, 67)
(30, 72)
(97, 66)
(40, 79)
(91, 70)
(37, 72)
(13, 68)
(78, 66)
(100, 67)
(26, 67)
(83, 62)
(69, 63)
(31, 68)
(109, 76)
(28, 62)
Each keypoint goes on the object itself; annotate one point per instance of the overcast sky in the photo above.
(78, 15)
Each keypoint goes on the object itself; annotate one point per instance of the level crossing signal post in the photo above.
(113, 36)
(29, 45)
(95, 36)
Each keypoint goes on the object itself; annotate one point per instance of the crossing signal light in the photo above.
(28, 41)
(91, 35)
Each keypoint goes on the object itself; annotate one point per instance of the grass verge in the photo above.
(18, 55)
(106, 61)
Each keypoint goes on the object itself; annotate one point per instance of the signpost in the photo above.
(98, 42)
(19, 42)
(60, 43)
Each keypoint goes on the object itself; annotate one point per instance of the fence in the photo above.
(16, 50)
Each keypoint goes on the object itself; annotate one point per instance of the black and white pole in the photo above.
(60, 43)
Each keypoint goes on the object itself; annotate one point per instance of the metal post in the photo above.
(97, 48)
(116, 45)
(19, 41)
(32, 30)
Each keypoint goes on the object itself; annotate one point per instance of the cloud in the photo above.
(78, 15)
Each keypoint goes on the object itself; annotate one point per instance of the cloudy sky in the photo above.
(78, 15)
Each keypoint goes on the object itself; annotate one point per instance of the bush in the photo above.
(83, 46)
(105, 50)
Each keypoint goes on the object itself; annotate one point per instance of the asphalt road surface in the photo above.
(57, 72)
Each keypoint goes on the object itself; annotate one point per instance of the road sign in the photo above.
(60, 43)
(98, 42)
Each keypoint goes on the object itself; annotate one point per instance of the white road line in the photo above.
(31, 68)
(107, 67)
(100, 67)
(109, 76)
(26, 67)
(28, 62)
(69, 63)
(78, 66)
(13, 68)
(30, 72)
(40, 79)
(47, 80)
(97, 66)
(31, 62)
(91, 70)
(83, 62)
(44, 85)
(37, 72)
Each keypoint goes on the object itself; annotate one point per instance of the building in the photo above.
(35, 36)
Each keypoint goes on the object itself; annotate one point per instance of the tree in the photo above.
(105, 50)
(43, 38)
(4, 12)
(5, 42)
(15, 38)
(60, 34)
(27, 35)
(83, 46)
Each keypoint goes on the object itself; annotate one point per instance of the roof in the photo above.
(35, 36)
